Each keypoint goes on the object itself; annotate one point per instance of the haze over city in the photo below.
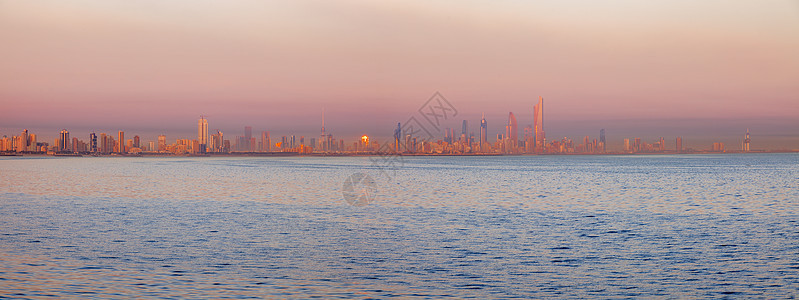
(705, 71)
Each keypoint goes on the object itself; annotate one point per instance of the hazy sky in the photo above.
(699, 69)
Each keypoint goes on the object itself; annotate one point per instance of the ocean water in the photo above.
(689, 226)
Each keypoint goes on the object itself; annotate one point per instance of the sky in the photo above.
(703, 70)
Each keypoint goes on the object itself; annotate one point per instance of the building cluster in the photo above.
(533, 141)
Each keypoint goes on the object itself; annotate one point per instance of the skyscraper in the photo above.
(262, 144)
(529, 139)
(678, 143)
(268, 142)
(93, 142)
(244, 143)
(465, 128)
(161, 143)
(397, 137)
(202, 134)
(23, 141)
(121, 142)
(64, 141)
(511, 133)
(538, 124)
(483, 132)
(323, 139)
(602, 143)
(746, 141)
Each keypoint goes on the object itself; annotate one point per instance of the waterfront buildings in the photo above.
(507, 142)
(202, 134)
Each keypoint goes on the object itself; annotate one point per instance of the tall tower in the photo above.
(268, 141)
(64, 140)
(161, 143)
(602, 143)
(23, 141)
(245, 142)
(202, 134)
(93, 142)
(323, 139)
(538, 123)
(511, 133)
(397, 137)
(746, 141)
(483, 131)
(678, 145)
(121, 142)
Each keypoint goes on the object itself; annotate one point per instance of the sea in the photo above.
(376, 227)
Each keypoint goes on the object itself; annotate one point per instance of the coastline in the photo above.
(369, 154)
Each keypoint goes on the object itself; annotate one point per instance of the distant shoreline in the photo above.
(296, 154)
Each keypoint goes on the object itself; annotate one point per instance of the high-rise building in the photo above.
(483, 131)
(22, 144)
(161, 143)
(224, 146)
(529, 139)
(262, 142)
(64, 141)
(511, 134)
(103, 145)
(244, 142)
(678, 143)
(32, 142)
(268, 141)
(745, 147)
(602, 142)
(324, 140)
(465, 128)
(397, 137)
(93, 142)
(538, 124)
(587, 144)
(121, 142)
(202, 135)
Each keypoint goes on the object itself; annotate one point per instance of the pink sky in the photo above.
(699, 69)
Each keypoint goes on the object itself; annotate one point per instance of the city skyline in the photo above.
(534, 141)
